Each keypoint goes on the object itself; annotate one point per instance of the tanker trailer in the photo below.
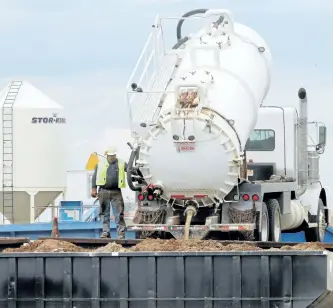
(191, 122)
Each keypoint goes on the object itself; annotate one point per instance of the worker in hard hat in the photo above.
(109, 176)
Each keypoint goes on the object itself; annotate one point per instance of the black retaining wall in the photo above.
(166, 280)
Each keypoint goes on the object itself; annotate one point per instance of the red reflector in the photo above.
(177, 196)
(150, 197)
(255, 197)
(246, 197)
(241, 228)
(141, 197)
(200, 196)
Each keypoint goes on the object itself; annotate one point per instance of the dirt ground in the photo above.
(50, 245)
(304, 246)
(190, 245)
(209, 245)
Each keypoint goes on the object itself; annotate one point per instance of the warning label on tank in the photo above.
(186, 147)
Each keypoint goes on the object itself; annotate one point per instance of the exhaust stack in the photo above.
(302, 143)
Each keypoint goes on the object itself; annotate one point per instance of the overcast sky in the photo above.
(82, 52)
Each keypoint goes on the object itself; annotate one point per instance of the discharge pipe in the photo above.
(302, 143)
(189, 213)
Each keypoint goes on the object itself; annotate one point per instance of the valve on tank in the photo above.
(157, 193)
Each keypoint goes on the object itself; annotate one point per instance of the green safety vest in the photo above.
(102, 169)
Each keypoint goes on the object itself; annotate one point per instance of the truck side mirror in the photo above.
(322, 136)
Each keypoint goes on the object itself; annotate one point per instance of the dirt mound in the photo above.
(147, 245)
(46, 246)
(190, 245)
(210, 245)
(111, 247)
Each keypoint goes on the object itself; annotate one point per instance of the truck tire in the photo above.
(274, 214)
(317, 234)
(262, 231)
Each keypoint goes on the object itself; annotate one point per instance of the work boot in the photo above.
(105, 235)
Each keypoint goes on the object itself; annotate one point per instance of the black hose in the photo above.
(181, 42)
(129, 171)
(188, 14)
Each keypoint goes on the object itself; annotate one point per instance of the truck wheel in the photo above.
(274, 214)
(262, 232)
(317, 234)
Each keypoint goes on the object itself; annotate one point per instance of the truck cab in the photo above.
(275, 148)
(271, 148)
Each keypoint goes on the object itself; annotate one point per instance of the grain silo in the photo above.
(34, 151)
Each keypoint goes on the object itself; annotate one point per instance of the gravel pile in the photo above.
(304, 246)
(46, 246)
(190, 245)
(111, 247)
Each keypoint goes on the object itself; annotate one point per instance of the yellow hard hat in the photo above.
(112, 150)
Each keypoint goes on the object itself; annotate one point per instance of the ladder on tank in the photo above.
(153, 71)
(7, 152)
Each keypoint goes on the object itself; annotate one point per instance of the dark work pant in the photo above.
(114, 198)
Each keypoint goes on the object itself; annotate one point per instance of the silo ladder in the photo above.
(7, 152)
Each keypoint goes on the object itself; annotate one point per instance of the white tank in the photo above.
(39, 152)
(231, 81)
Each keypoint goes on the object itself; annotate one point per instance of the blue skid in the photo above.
(74, 222)
(93, 229)
(76, 229)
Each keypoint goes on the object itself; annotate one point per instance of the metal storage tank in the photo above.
(34, 151)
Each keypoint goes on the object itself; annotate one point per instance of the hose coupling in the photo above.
(190, 210)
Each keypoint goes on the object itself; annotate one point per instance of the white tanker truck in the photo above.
(208, 159)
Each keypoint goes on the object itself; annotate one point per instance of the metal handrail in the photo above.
(75, 212)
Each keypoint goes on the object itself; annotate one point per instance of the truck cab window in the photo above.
(261, 140)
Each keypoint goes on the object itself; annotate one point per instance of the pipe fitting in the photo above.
(190, 210)
(157, 193)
